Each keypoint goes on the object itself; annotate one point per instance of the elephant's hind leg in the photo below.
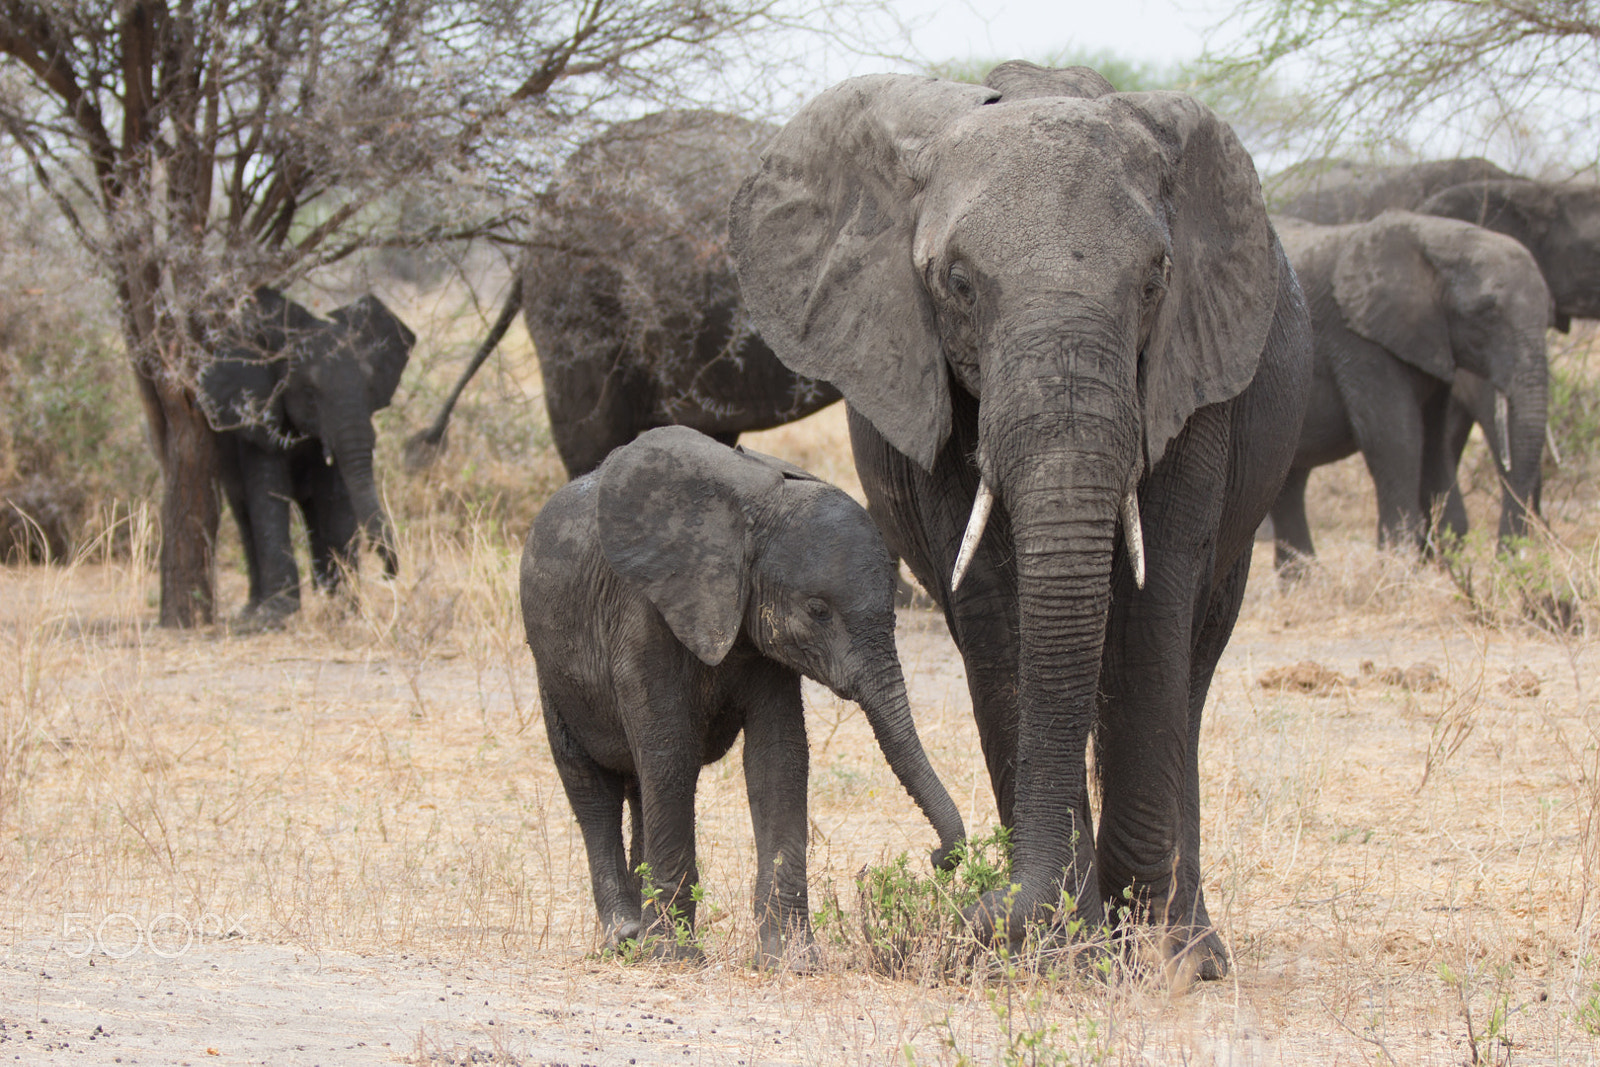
(596, 795)
(1290, 531)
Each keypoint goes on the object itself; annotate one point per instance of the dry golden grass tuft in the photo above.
(1406, 874)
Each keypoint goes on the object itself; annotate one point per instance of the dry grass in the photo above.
(1406, 874)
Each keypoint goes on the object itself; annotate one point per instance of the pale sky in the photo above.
(1160, 31)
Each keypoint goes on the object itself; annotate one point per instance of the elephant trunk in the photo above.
(1525, 419)
(1064, 465)
(352, 441)
(881, 692)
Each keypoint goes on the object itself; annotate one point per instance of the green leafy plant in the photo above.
(683, 934)
(1588, 1014)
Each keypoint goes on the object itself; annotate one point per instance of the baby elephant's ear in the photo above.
(673, 511)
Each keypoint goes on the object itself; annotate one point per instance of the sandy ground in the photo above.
(345, 843)
(1353, 854)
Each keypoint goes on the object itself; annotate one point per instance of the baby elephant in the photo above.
(673, 597)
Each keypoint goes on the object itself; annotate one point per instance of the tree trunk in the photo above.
(189, 510)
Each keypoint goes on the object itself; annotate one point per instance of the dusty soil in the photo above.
(344, 843)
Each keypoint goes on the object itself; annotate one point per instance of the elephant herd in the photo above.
(1082, 364)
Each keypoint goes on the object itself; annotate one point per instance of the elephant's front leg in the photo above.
(1192, 939)
(668, 743)
(269, 490)
(776, 763)
(331, 524)
(1146, 750)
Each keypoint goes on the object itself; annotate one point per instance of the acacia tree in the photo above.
(1392, 70)
(203, 147)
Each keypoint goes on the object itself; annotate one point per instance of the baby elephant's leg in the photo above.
(668, 749)
(596, 795)
(775, 768)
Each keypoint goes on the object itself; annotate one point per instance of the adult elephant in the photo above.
(291, 397)
(1067, 305)
(1401, 307)
(631, 298)
(1558, 222)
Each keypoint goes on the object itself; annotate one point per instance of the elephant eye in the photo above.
(1156, 284)
(819, 609)
(960, 283)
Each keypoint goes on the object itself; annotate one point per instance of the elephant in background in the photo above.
(1403, 307)
(291, 398)
(631, 299)
(674, 597)
(1559, 222)
(1335, 191)
(1062, 310)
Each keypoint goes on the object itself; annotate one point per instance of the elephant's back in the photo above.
(1338, 191)
(562, 571)
(631, 247)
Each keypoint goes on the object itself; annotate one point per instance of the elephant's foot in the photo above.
(630, 939)
(263, 615)
(792, 949)
(1193, 954)
(672, 950)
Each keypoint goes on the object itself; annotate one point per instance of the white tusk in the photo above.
(1550, 443)
(1133, 535)
(982, 504)
(1502, 428)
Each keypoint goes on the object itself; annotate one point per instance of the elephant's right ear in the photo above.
(822, 237)
(673, 511)
(1388, 291)
(381, 345)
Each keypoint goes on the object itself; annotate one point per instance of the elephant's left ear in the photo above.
(382, 345)
(673, 509)
(1212, 323)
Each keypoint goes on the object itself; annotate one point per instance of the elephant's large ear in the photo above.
(275, 323)
(673, 511)
(1223, 290)
(1018, 79)
(822, 236)
(381, 344)
(1388, 292)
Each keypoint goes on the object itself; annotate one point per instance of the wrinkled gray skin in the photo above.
(1400, 306)
(631, 299)
(291, 397)
(1559, 222)
(1071, 299)
(674, 597)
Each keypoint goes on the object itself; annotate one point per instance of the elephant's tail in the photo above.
(424, 447)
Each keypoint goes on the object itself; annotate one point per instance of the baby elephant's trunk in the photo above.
(882, 696)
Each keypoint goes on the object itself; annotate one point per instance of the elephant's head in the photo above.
(1559, 222)
(335, 379)
(1091, 268)
(242, 387)
(724, 542)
